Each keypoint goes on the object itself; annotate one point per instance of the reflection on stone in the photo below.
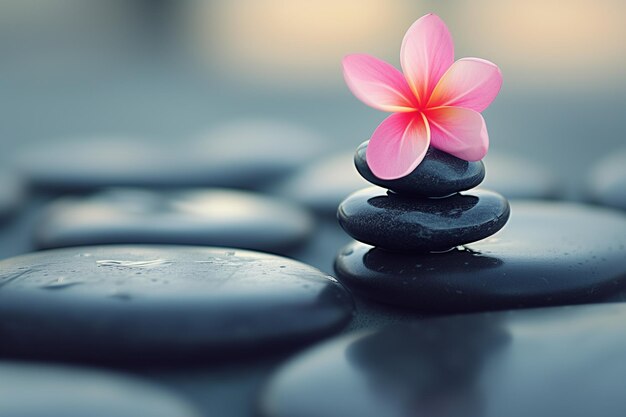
(429, 368)
(564, 361)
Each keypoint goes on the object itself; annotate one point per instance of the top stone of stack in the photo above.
(438, 175)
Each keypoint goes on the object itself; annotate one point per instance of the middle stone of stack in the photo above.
(425, 210)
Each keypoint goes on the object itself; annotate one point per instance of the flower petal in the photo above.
(398, 145)
(458, 131)
(472, 83)
(377, 83)
(427, 52)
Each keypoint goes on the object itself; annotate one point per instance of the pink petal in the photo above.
(458, 131)
(398, 145)
(427, 52)
(472, 83)
(377, 83)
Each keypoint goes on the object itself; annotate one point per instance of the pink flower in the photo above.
(436, 102)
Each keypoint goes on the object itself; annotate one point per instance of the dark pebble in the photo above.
(404, 224)
(548, 254)
(35, 390)
(213, 217)
(165, 304)
(567, 361)
(438, 175)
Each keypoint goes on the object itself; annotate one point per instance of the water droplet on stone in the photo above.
(155, 263)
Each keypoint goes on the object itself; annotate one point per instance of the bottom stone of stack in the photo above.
(548, 254)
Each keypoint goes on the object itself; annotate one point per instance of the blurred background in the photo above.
(97, 93)
(165, 70)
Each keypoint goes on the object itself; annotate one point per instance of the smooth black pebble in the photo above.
(160, 303)
(439, 174)
(548, 254)
(35, 390)
(407, 224)
(322, 185)
(213, 217)
(567, 361)
(607, 181)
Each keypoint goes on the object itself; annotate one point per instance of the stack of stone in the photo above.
(424, 211)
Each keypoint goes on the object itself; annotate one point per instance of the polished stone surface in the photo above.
(548, 254)
(566, 361)
(213, 217)
(439, 174)
(36, 390)
(397, 223)
(12, 194)
(520, 178)
(322, 185)
(162, 303)
(607, 181)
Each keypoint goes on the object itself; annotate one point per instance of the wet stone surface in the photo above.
(215, 217)
(607, 181)
(548, 254)
(159, 303)
(35, 390)
(396, 223)
(487, 365)
(439, 174)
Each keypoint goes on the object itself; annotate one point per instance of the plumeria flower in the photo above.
(435, 102)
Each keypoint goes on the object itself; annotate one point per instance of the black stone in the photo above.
(520, 178)
(159, 303)
(213, 217)
(607, 181)
(35, 390)
(409, 224)
(439, 174)
(322, 185)
(548, 254)
(568, 361)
